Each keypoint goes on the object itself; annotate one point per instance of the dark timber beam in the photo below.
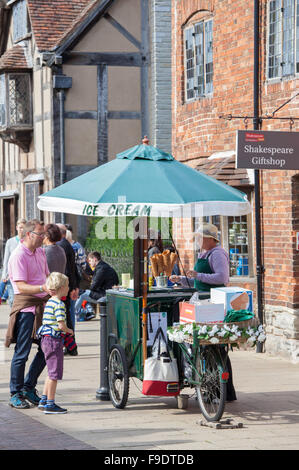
(94, 115)
(126, 59)
(123, 31)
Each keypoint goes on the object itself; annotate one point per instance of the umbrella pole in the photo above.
(144, 289)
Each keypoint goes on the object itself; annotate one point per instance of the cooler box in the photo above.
(233, 298)
(205, 313)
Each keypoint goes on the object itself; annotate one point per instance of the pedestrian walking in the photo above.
(51, 332)
(80, 255)
(55, 254)
(10, 245)
(28, 270)
(80, 259)
(3, 292)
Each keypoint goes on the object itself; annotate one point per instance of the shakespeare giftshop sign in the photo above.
(269, 150)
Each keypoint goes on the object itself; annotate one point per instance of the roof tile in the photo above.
(14, 58)
(52, 19)
(223, 169)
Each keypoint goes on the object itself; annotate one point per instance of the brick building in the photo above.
(212, 63)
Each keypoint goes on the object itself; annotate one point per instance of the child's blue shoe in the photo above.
(54, 410)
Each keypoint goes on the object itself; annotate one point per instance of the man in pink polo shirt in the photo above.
(28, 270)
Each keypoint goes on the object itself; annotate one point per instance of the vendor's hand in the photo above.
(175, 279)
(191, 274)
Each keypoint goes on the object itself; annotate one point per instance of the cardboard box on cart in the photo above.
(233, 298)
(206, 312)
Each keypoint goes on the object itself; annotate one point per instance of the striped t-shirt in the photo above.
(53, 313)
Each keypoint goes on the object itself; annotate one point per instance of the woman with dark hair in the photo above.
(155, 244)
(55, 254)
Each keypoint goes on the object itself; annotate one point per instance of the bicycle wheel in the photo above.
(211, 392)
(118, 377)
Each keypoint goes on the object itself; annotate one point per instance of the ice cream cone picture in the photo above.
(240, 301)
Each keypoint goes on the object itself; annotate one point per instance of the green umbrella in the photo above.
(145, 181)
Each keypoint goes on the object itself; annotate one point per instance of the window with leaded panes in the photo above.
(20, 20)
(198, 53)
(283, 38)
(19, 99)
(15, 100)
(32, 192)
(2, 102)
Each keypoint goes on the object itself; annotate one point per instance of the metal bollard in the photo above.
(103, 391)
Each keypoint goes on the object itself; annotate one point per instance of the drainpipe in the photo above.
(256, 126)
(62, 83)
(61, 95)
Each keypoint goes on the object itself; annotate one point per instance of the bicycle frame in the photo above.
(191, 359)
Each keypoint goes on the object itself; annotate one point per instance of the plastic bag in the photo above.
(195, 298)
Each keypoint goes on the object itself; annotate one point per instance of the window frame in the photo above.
(9, 124)
(280, 41)
(20, 19)
(34, 189)
(4, 104)
(191, 28)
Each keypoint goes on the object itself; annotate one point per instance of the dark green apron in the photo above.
(203, 266)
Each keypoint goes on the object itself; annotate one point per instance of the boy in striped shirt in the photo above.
(52, 332)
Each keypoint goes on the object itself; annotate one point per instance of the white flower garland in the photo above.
(215, 333)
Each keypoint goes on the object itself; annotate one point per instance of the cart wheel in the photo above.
(118, 376)
(211, 392)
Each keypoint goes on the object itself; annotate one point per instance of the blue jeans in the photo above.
(11, 294)
(23, 333)
(73, 313)
(85, 296)
(3, 290)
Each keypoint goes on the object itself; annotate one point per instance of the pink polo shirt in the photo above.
(30, 267)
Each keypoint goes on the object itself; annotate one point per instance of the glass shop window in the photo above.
(238, 246)
(235, 237)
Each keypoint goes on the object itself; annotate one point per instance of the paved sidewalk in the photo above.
(267, 405)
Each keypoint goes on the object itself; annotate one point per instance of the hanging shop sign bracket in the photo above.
(267, 117)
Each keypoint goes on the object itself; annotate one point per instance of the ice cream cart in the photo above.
(142, 182)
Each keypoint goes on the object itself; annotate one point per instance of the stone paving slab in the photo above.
(267, 405)
(21, 432)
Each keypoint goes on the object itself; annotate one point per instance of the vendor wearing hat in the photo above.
(212, 266)
(211, 270)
